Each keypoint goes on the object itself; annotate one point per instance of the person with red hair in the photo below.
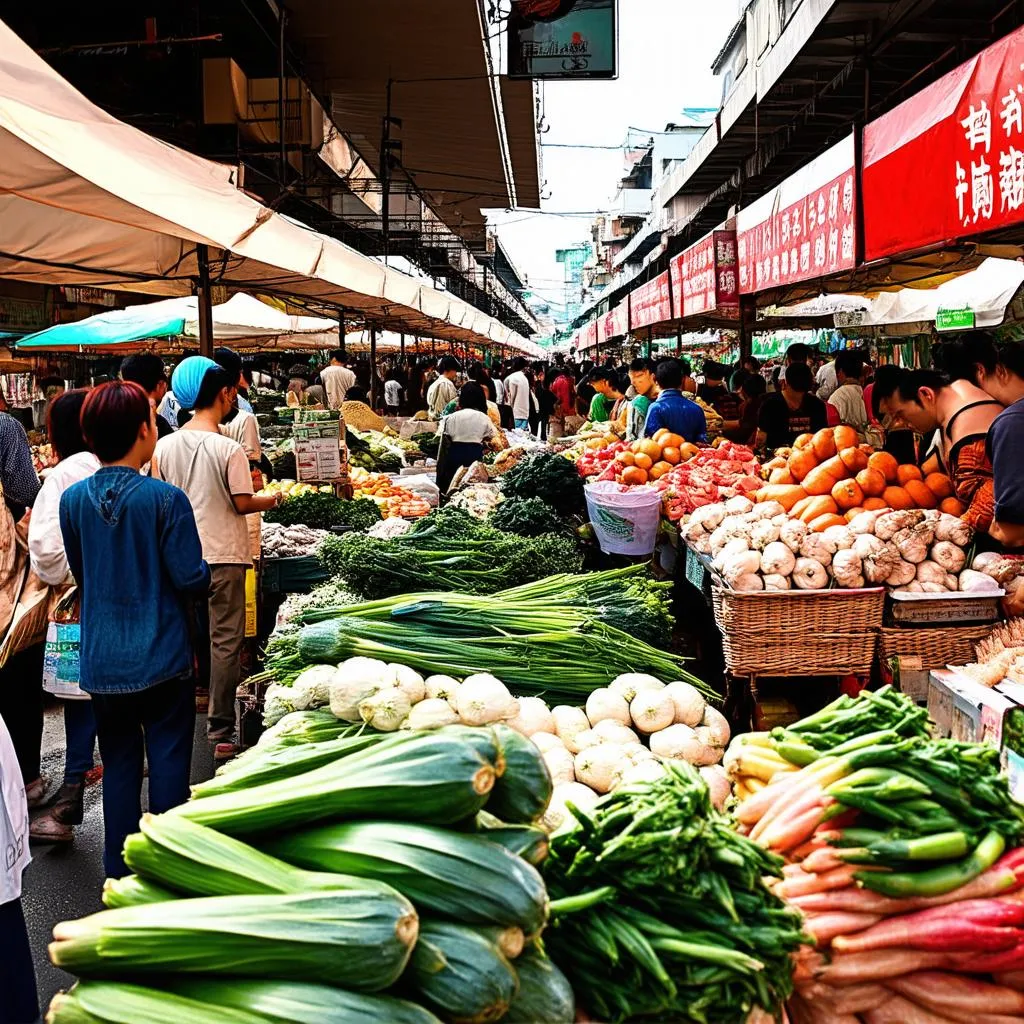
(133, 548)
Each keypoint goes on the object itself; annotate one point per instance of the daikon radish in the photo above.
(878, 965)
(826, 927)
(838, 879)
(944, 992)
(902, 1011)
(823, 859)
(849, 998)
(788, 833)
(794, 805)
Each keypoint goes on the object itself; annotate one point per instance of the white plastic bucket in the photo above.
(625, 520)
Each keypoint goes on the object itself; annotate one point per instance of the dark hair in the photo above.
(714, 370)
(519, 363)
(51, 382)
(907, 383)
(356, 394)
(798, 377)
(472, 397)
(753, 384)
(339, 356)
(670, 374)
(230, 360)
(247, 375)
(886, 377)
(798, 353)
(112, 415)
(1011, 355)
(64, 423)
(640, 364)
(849, 363)
(215, 380)
(606, 374)
(145, 369)
(960, 356)
(449, 363)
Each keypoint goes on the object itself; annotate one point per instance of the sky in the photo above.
(665, 51)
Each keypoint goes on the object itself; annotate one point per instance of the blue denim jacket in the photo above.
(133, 547)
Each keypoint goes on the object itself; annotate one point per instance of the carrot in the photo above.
(879, 964)
(944, 993)
(789, 832)
(826, 927)
(753, 808)
(838, 879)
(797, 800)
(849, 998)
(902, 1011)
(823, 859)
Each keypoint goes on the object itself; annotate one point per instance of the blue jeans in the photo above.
(79, 739)
(522, 424)
(160, 722)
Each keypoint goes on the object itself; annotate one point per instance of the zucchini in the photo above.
(352, 939)
(133, 891)
(287, 1001)
(523, 792)
(441, 777)
(462, 973)
(544, 996)
(526, 841)
(115, 1002)
(452, 874)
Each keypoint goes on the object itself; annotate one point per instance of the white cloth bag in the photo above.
(14, 852)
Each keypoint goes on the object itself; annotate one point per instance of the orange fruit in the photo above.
(803, 441)
(931, 465)
(659, 434)
(939, 484)
(952, 506)
(921, 494)
(642, 460)
(897, 497)
(659, 469)
(652, 448)
(871, 482)
(671, 441)
(874, 504)
(687, 451)
(801, 463)
(634, 475)
(835, 467)
(905, 473)
(886, 464)
(847, 494)
(844, 437)
(626, 458)
(822, 505)
(671, 454)
(824, 444)
(853, 459)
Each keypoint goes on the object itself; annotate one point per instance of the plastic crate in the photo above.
(292, 575)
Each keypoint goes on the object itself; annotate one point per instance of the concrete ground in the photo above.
(64, 881)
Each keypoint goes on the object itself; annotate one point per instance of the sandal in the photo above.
(47, 829)
(226, 751)
(67, 807)
(35, 793)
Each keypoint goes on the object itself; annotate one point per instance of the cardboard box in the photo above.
(965, 710)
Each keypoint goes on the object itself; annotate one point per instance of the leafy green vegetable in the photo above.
(552, 478)
(529, 517)
(321, 510)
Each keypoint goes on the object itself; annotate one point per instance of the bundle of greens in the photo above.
(323, 511)
(481, 562)
(552, 478)
(659, 910)
(428, 442)
(331, 594)
(529, 517)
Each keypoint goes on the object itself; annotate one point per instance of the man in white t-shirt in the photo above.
(213, 471)
(848, 397)
(517, 394)
(826, 380)
(443, 390)
(337, 378)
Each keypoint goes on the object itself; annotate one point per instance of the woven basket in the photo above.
(934, 647)
(796, 633)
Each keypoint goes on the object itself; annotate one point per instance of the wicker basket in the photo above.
(933, 647)
(795, 633)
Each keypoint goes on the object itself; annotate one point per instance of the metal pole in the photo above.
(341, 329)
(205, 305)
(385, 177)
(373, 367)
(401, 346)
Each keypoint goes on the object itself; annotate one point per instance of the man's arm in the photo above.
(181, 551)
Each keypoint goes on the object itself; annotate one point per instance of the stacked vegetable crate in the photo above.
(335, 876)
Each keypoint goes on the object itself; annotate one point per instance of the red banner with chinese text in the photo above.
(705, 277)
(949, 162)
(803, 229)
(650, 303)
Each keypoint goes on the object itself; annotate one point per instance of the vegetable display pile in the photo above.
(322, 511)
(279, 541)
(372, 882)
(659, 910)
(646, 460)
(844, 476)
(759, 546)
(904, 856)
(393, 499)
(529, 517)
(552, 478)
(712, 475)
(548, 637)
(479, 500)
(448, 550)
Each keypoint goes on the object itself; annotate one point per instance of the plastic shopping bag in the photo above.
(14, 852)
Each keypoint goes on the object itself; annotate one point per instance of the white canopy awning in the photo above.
(87, 199)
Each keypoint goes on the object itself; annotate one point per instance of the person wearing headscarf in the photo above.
(213, 471)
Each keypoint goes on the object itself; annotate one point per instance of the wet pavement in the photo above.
(65, 881)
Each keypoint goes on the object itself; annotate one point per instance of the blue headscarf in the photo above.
(187, 379)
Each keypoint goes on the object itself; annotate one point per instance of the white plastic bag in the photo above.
(423, 487)
(14, 852)
(625, 520)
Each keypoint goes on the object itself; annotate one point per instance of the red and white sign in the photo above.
(615, 323)
(589, 335)
(651, 303)
(803, 229)
(705, 277)
(949, 162)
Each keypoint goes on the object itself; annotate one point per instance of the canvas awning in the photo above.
(87, 199)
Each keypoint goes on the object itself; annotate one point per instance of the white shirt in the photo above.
(517, 394)
(45, 542)
(244, 429)
(468, 426)
(499, 391)
(392, 392)
(848, 401)
(439, 394)
(13, 820)
(826, 381)
(337, 380)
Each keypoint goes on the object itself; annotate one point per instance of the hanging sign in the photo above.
(803, 229)
(573, 39)
(705, 278)
(650, 303)
(954, 319)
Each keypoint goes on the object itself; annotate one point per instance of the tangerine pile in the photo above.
(653, 457)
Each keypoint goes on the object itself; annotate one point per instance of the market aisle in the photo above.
(65, 882)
